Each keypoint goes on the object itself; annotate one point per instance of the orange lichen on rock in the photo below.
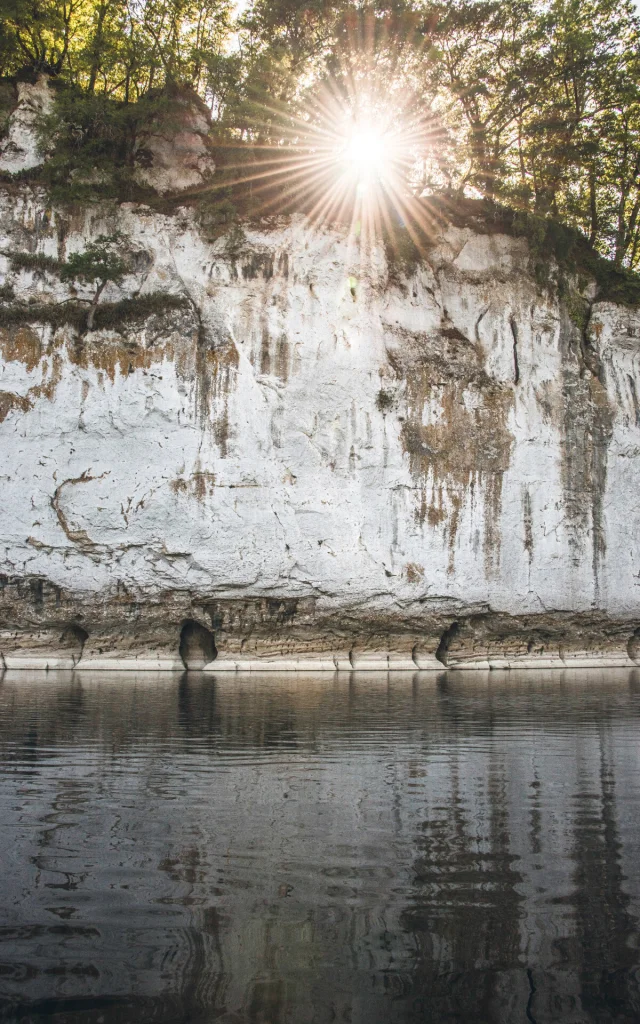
(21, 344)
(455, 432)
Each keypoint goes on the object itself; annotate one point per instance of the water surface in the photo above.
(364, 849)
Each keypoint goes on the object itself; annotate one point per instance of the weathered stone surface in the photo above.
(177, 154)
(414, 471)
(19, 150)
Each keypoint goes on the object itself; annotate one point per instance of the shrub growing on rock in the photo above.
(103, 261)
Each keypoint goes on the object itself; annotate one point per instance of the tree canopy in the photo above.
(533, 104)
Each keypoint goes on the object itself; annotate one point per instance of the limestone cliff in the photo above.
(276, 445)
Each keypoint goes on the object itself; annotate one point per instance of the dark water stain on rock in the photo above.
(587, 426)
(465, 442)
(216, 376)
(208, 362)
(492, 509)
(265, 351)
(527, 515)
(258, 264)
(26, 346)
(200, 484)
(274, 356)
(281, 367)
(10, 401)
(118, 352)
(283, 264)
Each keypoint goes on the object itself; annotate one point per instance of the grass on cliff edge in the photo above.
(95, 145)
(108, 315)
(221, 208)
(548, 240)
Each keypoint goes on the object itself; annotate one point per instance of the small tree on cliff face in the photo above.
(107, 259)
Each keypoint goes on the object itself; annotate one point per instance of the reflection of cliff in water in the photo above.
(605, 929)
(357, 849)
(465, 909)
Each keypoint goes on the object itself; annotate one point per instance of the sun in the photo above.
(366, 154)
(352, 155)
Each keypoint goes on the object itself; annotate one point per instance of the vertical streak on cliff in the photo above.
(516, 363)
(492, 538)
(455, 433)
(587, 428)
(527, 515)
(216, 366)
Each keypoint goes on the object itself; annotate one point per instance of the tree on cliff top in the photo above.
(533, 104)
(103, 261)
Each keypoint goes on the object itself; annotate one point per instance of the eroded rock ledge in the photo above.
(46, 628)
(275, 447)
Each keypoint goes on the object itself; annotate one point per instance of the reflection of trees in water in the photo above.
(467, 914)
(271, 725)
(123, 708)
(605, 930)
(29, 729)
(465, 907)
(200, 978)
(413, 908)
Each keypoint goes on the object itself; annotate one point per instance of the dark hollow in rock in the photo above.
(75, 637)
(197, 645)
(446, 640)
(633, 647)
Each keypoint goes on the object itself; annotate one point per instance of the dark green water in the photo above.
(361, 849)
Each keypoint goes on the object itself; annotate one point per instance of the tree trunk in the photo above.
(94, 305)
(96, 48)
(621, 229)
(593, 206)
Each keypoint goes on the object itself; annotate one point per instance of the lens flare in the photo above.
(356, 153)
(364, 155)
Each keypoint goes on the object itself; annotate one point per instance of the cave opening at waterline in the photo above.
(197, 645)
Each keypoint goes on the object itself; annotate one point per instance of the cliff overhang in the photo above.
(277, 446)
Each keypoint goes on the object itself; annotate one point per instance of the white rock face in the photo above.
(178, 155)
(363, 464)
(19, 151)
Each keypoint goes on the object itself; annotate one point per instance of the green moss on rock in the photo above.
(108, 316)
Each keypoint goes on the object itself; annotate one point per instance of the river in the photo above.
(351, 848)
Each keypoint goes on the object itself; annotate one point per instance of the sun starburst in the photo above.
(354, 154)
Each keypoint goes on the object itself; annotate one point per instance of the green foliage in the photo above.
(235, 242)
(534, 107)
(7, 100)
(114, 315)
(94, 144)
(55, 314)
(577, 308)
(33, 261)
(88, 144)
(549, 241)
(91, 144)
(115, 47)
(215, 212)
(403, 252)
(102, 261)
(107, 259)
(110, 315)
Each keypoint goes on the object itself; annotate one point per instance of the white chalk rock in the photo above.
(177, 156)
(20, 150)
